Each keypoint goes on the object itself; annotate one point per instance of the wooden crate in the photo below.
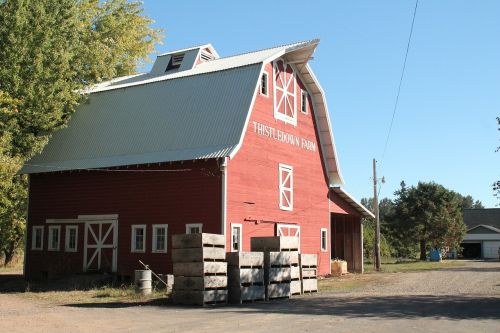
(245, 276)
(309, 285)
(241, 294)
(283, 243)
(295, 273)
(199, 269)
(278, 274)
(309, 260)
(200, 283)
(296, 287)
(277, 290)
(277, 259)
(199, 297)
(186, 241)
(198, 254)
(245, 259)
(309, 273)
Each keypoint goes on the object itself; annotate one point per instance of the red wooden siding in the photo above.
(253, 180)
(173, 198)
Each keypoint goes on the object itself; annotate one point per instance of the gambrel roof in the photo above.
(197, 111)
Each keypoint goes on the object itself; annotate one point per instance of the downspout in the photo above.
(223, 169)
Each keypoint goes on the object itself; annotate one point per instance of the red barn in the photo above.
(238, 145)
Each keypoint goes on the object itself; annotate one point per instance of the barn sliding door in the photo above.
(290, 230)
(100, 246)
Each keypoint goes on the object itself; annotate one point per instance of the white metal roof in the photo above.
(192, 114)
(365, 212)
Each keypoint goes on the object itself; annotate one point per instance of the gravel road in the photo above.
(457, 299)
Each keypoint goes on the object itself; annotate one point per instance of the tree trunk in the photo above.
(9, 253)
(423, 252)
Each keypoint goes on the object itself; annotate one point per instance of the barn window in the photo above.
(71, 238)
(324, 240)
(264, 83)
(286, 187)
(304, 102)
(37, 238)
(54, 239)
(160, 238)
(236, 232)
(285, 106)
(139, 238)
(194, 228)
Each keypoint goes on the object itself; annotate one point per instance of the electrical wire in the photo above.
(400, 82)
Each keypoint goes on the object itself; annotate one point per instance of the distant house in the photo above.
(240, 146)
(483, 233)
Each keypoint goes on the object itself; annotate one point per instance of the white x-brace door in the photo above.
(100, 245)
(288, 230)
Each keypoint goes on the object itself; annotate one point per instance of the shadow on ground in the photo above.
(414, 307)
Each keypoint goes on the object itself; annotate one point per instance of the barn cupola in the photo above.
(182, 60)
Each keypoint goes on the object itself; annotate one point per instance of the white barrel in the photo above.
(143, 281)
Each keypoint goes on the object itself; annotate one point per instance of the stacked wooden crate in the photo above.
(309, 272)
(200, 269)
(281, 263)
(246, 276)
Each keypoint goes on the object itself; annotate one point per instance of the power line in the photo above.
(400, 82)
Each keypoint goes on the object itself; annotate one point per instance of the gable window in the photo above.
(286, 187)
(324, 240)
(160, 238)
(264, 83)
(304, 102)
(54, 233)
(139, 238)
(37, 238)
(236, 232)
(285, 105)
(71, 238)
(194, 228)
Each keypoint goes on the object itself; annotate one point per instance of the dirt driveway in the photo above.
(457, 299)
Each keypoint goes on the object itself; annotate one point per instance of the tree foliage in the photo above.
(50, 51)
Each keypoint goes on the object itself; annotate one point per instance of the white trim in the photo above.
(67, 239)
(100, 239)
(240, 240)
(98, 217)
(489, 227)
(33, 238)
(286, 82)
(284, 202)
(50, 238)
(264, 72)
(194, 225)
(133, 249)
(302, 93)
(323, 230)
(153, 239)
(223, 169)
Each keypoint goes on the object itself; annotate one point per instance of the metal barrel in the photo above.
(143, 281)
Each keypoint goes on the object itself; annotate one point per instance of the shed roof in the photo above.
(482, 216)
(178, 116)
(362, 210)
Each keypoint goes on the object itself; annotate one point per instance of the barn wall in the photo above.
(173, 198)
(346, 240)
(253, 180)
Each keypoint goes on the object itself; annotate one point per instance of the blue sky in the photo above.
(445, 128)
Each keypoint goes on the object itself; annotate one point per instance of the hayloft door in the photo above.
(100, 246)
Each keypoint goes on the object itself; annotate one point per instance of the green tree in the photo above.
(50, 51)
(385, 209)
(468, 202)
(428, 215)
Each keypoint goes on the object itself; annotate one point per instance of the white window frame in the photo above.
(193, 225)
(33, 237)
(304, 93)
(155, 234)
(323, 230)
(283, 202)
(267, 84)
(67, 238)
(277, 115)
(50, 239)
(133, 249)
(240, 240)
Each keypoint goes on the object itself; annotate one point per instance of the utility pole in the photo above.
(377, 217)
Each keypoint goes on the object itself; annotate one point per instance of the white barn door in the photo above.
(100, 246)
